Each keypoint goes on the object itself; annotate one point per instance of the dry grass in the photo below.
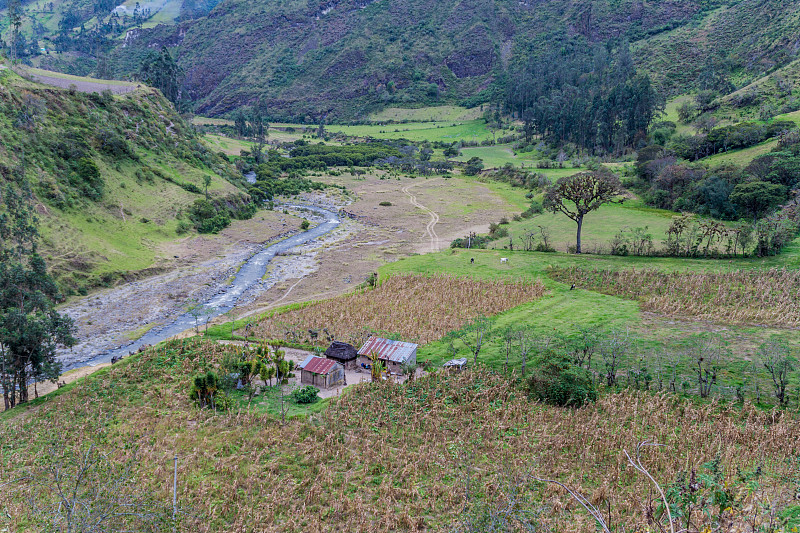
(416, 307)
(389, 457)
(763, 297)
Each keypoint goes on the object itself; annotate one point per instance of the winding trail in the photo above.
(429, 229)
(226, 299)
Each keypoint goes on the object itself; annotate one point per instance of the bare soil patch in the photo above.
(81, 85)
(378, 234)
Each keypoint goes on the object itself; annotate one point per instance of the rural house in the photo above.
(321, 373)
(394, 354)
(344, 354)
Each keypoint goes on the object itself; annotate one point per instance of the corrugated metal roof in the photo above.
(394, 351)
(317, 365)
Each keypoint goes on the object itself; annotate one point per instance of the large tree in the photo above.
(580, 194)
(758, 197)
(30, 328)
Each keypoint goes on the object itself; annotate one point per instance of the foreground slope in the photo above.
(422, 456)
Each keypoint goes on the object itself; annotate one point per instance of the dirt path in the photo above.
(84, 85)
(429, 229)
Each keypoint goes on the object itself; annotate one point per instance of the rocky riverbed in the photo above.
(116, 317)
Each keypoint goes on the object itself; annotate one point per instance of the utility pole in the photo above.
(175, 494)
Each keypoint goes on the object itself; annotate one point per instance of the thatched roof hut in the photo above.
(343, 353)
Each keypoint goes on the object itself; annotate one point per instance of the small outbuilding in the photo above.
(321, 373)
(344, 354)
(394, 354)
(456, 364)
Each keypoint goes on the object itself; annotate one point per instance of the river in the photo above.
(248, 275)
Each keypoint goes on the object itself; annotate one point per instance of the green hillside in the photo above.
(111, 174)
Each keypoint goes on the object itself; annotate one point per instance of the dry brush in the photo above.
(416, 307)
(762, 297)
(388, 457)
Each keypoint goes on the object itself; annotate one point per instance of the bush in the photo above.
(307, 394)
(385, 204)
(305, 224)
(473, 166)
(558, 381)
(535, 209)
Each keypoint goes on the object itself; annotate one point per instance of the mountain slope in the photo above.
(348, 56)
(110, 174)
(308, 59)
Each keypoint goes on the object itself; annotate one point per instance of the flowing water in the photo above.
(249, 274)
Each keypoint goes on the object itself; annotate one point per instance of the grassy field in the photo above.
(232, 147)
(740, 157)
(562, 310)
(599, 227)
(426, 114)
(468, 130)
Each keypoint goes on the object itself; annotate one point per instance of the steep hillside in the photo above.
(736, 43)
(342, 58)
(345, 57)
(111, 174)
(441, 453)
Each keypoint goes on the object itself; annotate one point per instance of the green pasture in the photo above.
(471, 130)
(426, 114)
(563, 310)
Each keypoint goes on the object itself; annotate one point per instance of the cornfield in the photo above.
(388, 457)
(415, 307)
(763, 297)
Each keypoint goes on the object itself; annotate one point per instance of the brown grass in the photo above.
(416, 307)
(388, 457)
(763, 297)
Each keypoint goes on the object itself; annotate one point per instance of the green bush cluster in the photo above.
(557, 380)
(307, 394)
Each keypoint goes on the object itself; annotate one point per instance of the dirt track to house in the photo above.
(429, 229)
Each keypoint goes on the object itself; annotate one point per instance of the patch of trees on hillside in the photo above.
(591, 96)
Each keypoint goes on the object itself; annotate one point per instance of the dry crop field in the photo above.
(418, 308)
(764, 297)
(420, 456)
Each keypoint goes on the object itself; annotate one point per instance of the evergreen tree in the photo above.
(30, 328)
(160, 70)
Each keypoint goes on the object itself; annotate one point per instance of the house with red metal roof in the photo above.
(394, 354)
(321, 373)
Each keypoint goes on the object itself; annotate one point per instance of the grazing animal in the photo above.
(472, 261)
(573, 287)
(504, 259)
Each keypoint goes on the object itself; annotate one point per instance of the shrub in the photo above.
(307, 394)
(558, 381)
(305, 224)
(385, 204)
(473, 166)
(204, 389)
